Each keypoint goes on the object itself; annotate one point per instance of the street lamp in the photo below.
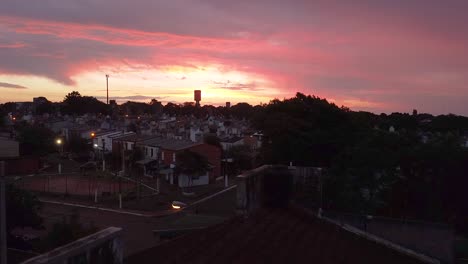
(59, 143)
(226, 179)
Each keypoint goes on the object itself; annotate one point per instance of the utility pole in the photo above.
(3, 234)
(107, 85)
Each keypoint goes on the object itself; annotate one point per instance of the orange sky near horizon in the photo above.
(382, 56)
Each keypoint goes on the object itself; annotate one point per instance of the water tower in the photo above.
(197, 97)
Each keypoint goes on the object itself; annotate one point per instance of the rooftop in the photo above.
(272, 235)
(170, 144)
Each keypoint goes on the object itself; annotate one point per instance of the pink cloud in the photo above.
(367, 53)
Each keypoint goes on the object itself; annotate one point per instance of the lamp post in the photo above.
(107, 88)
(226, 179)
(59, 143)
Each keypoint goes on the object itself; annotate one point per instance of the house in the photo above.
(76, 131)
(228, 143)
(14, 163)
(122, 145)
(166, 152)
(103, 140)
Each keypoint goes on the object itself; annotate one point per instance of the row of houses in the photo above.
(154, 156)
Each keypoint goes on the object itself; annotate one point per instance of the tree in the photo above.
(171, 109)
(22, 210)
(136, 108)
(305, 130)
(67, 230)
(75, 104)
(242, 111)
(212, 139)
(35, 139)
(156, 107)
(242, 158)
(362, 175)
(191, 164)
(78, 144)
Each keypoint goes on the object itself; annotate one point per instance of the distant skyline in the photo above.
(372, 55)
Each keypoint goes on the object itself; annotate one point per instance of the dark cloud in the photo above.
(131, 97)
(237, 86)
(347, 50)
(12, 86)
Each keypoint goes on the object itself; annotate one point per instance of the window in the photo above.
(146, 151)
(152, 152)
(173, 157)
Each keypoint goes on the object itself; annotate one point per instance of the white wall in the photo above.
(202, 180)
(148, 152)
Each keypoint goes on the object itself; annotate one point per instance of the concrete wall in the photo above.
(183, 180)
(9, 148)
(22, 165)
(250, 189)
(104, 246)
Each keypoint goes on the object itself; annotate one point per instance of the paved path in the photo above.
(137, 226)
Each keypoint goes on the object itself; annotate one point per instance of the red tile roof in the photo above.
(280, 235)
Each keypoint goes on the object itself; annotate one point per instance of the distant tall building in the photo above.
(197, 97)
(228, 104)
(415, 112)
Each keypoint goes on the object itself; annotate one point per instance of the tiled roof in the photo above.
(170, 144)
(133, 137)
(275, 235)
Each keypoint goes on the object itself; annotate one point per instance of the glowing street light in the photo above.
(58, 141)
(178, 205)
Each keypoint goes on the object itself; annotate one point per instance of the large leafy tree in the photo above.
(22, 210)
(305, 130)
(242, 158)
(76, 104)
(34, 139)
(191, 164)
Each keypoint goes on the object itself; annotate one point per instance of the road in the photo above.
(137, 230)
(137, 233)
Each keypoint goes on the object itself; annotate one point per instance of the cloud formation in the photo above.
(385, 55)
(12, 86)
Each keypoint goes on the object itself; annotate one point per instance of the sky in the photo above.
(371, 55)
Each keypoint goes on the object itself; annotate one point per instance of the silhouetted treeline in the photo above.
(398, 165)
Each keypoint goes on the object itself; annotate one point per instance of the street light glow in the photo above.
(58, 141)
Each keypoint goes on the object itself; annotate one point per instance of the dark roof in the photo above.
(103, 133)
(133, 138)
(280, 235)
(170, 144)
(232, 139)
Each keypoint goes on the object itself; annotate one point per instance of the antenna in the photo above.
(107, 85)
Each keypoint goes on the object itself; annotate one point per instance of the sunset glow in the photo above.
(364, 55)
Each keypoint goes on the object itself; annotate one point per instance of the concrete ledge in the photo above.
(83, 247)
(368, 236)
